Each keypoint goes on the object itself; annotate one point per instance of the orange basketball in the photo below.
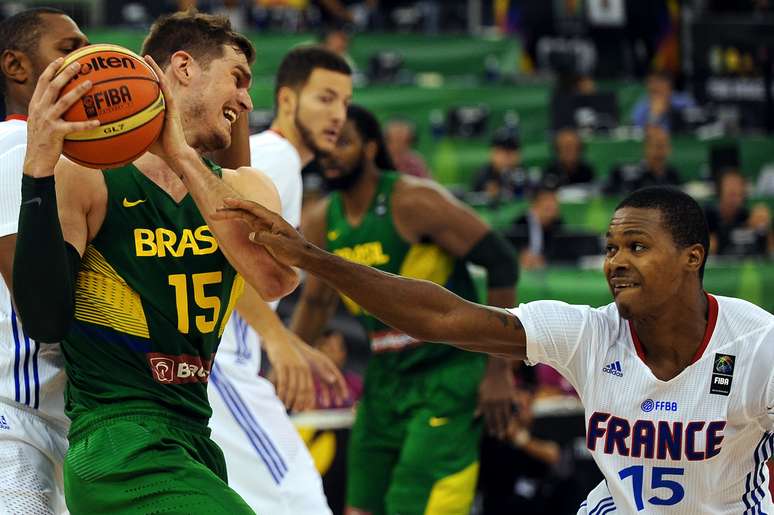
(125, 97)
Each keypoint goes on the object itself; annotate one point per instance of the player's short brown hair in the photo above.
(201, 35)
(299, 63)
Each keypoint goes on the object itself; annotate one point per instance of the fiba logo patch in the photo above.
(88, 106)
(106, 101)
(722, 374)
(724, 364)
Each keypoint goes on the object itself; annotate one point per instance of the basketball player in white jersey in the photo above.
(677, 384)
(33, 426)
(268, 463)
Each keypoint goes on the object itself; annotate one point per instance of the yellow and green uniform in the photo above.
(152, 297)
(414, 445)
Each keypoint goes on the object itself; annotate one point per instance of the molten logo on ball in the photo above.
(104, 63)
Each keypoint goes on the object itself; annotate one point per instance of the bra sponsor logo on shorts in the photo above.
(183, 368)
(162, 242)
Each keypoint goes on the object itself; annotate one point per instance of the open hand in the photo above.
(46, 129)
(269, 229)
(496, 395)
(171, 143)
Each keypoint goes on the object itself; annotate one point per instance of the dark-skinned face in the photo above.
(345, 164)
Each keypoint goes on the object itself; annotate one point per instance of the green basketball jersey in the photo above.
(153, 296)
(376, 242)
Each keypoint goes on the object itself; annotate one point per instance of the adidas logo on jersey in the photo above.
(4, 423)
(614, 368)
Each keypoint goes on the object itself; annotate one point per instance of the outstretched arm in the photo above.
(421, 309)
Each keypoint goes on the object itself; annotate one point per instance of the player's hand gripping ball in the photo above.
(126, 99)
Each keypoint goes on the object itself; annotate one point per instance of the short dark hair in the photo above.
(681, 215)
(370, 130)
(201, 35)
(299, 63)
(506, 138)
(22, 32)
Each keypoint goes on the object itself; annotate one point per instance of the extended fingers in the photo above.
(46, 76)
(70, 98)
(50, 94)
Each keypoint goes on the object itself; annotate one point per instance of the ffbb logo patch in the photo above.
(722, 374)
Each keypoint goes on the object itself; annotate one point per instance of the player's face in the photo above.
(218, 96)
(643, 266)
(59, 36)
(322, 109)
(342, 167)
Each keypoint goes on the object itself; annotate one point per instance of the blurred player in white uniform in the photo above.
(268, 463)
(33, 426)
(677, 384)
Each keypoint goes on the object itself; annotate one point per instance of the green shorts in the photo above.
(145, 461)
(414, 446)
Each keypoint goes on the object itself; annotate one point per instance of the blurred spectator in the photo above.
(333, 345)
(336, 39)
(568, 166)
(334, 12)
(551, 383)
(400, 137)
(503, 177)
(540, 224)
(735, 230)
(516, 475)
(661, 105)
(653, 170)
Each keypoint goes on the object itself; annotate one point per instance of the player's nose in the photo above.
(244, 100)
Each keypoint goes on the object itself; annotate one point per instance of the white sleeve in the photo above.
(768, 358)
(283, 166)
(561, 335)
(11, 165)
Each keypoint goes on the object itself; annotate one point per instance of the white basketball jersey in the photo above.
(31, 374)
(239, 351)
(697, 443)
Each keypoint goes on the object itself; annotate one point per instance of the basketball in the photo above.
(125, 97)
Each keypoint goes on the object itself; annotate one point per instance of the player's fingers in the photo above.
(46, 76)
(66, 101)
(292, 388)
(70, 127)
(57, 83)
(169, 99)
(281, 384)
(251, 207)
(337, 383)
(306, 390)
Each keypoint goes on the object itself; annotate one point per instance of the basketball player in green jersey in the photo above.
(414, 445)
(128, 270)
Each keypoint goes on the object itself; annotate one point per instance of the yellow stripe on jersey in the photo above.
(453, 495)
(423, 261)
(102, 297)
(237, 287)
(429, 262)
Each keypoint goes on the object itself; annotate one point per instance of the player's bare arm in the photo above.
(421, 309)
(7, 245)
(270, 279)
(423, 209)
(318, 301)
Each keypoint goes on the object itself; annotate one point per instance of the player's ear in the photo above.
(15, 66)
(695, 257)
(287, 100)
(183, 66)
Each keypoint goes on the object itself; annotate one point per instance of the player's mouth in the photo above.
(230, 115)
(617, 285)
(331, 135)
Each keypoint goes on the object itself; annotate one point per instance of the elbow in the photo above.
(279, 284)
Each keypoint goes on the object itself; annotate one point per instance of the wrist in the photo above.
(184, 161)
(38, 170)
